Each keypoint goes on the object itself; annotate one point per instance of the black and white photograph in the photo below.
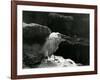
(53, 39)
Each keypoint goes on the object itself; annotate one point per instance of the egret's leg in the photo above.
(46, 57)
(54, 58)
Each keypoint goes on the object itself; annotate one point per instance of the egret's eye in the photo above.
(59, 35)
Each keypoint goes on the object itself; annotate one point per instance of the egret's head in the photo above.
(58, 36)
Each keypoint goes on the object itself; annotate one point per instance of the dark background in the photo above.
(71, 24)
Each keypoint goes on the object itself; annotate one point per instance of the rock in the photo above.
(34, 36)
(57, 61)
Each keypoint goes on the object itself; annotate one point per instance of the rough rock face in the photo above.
(58, 62)
(34, 36)
(35, 33)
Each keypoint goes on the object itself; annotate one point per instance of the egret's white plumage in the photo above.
(52, 44)
(54, 35)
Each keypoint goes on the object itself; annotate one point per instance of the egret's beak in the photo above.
(65, 37)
